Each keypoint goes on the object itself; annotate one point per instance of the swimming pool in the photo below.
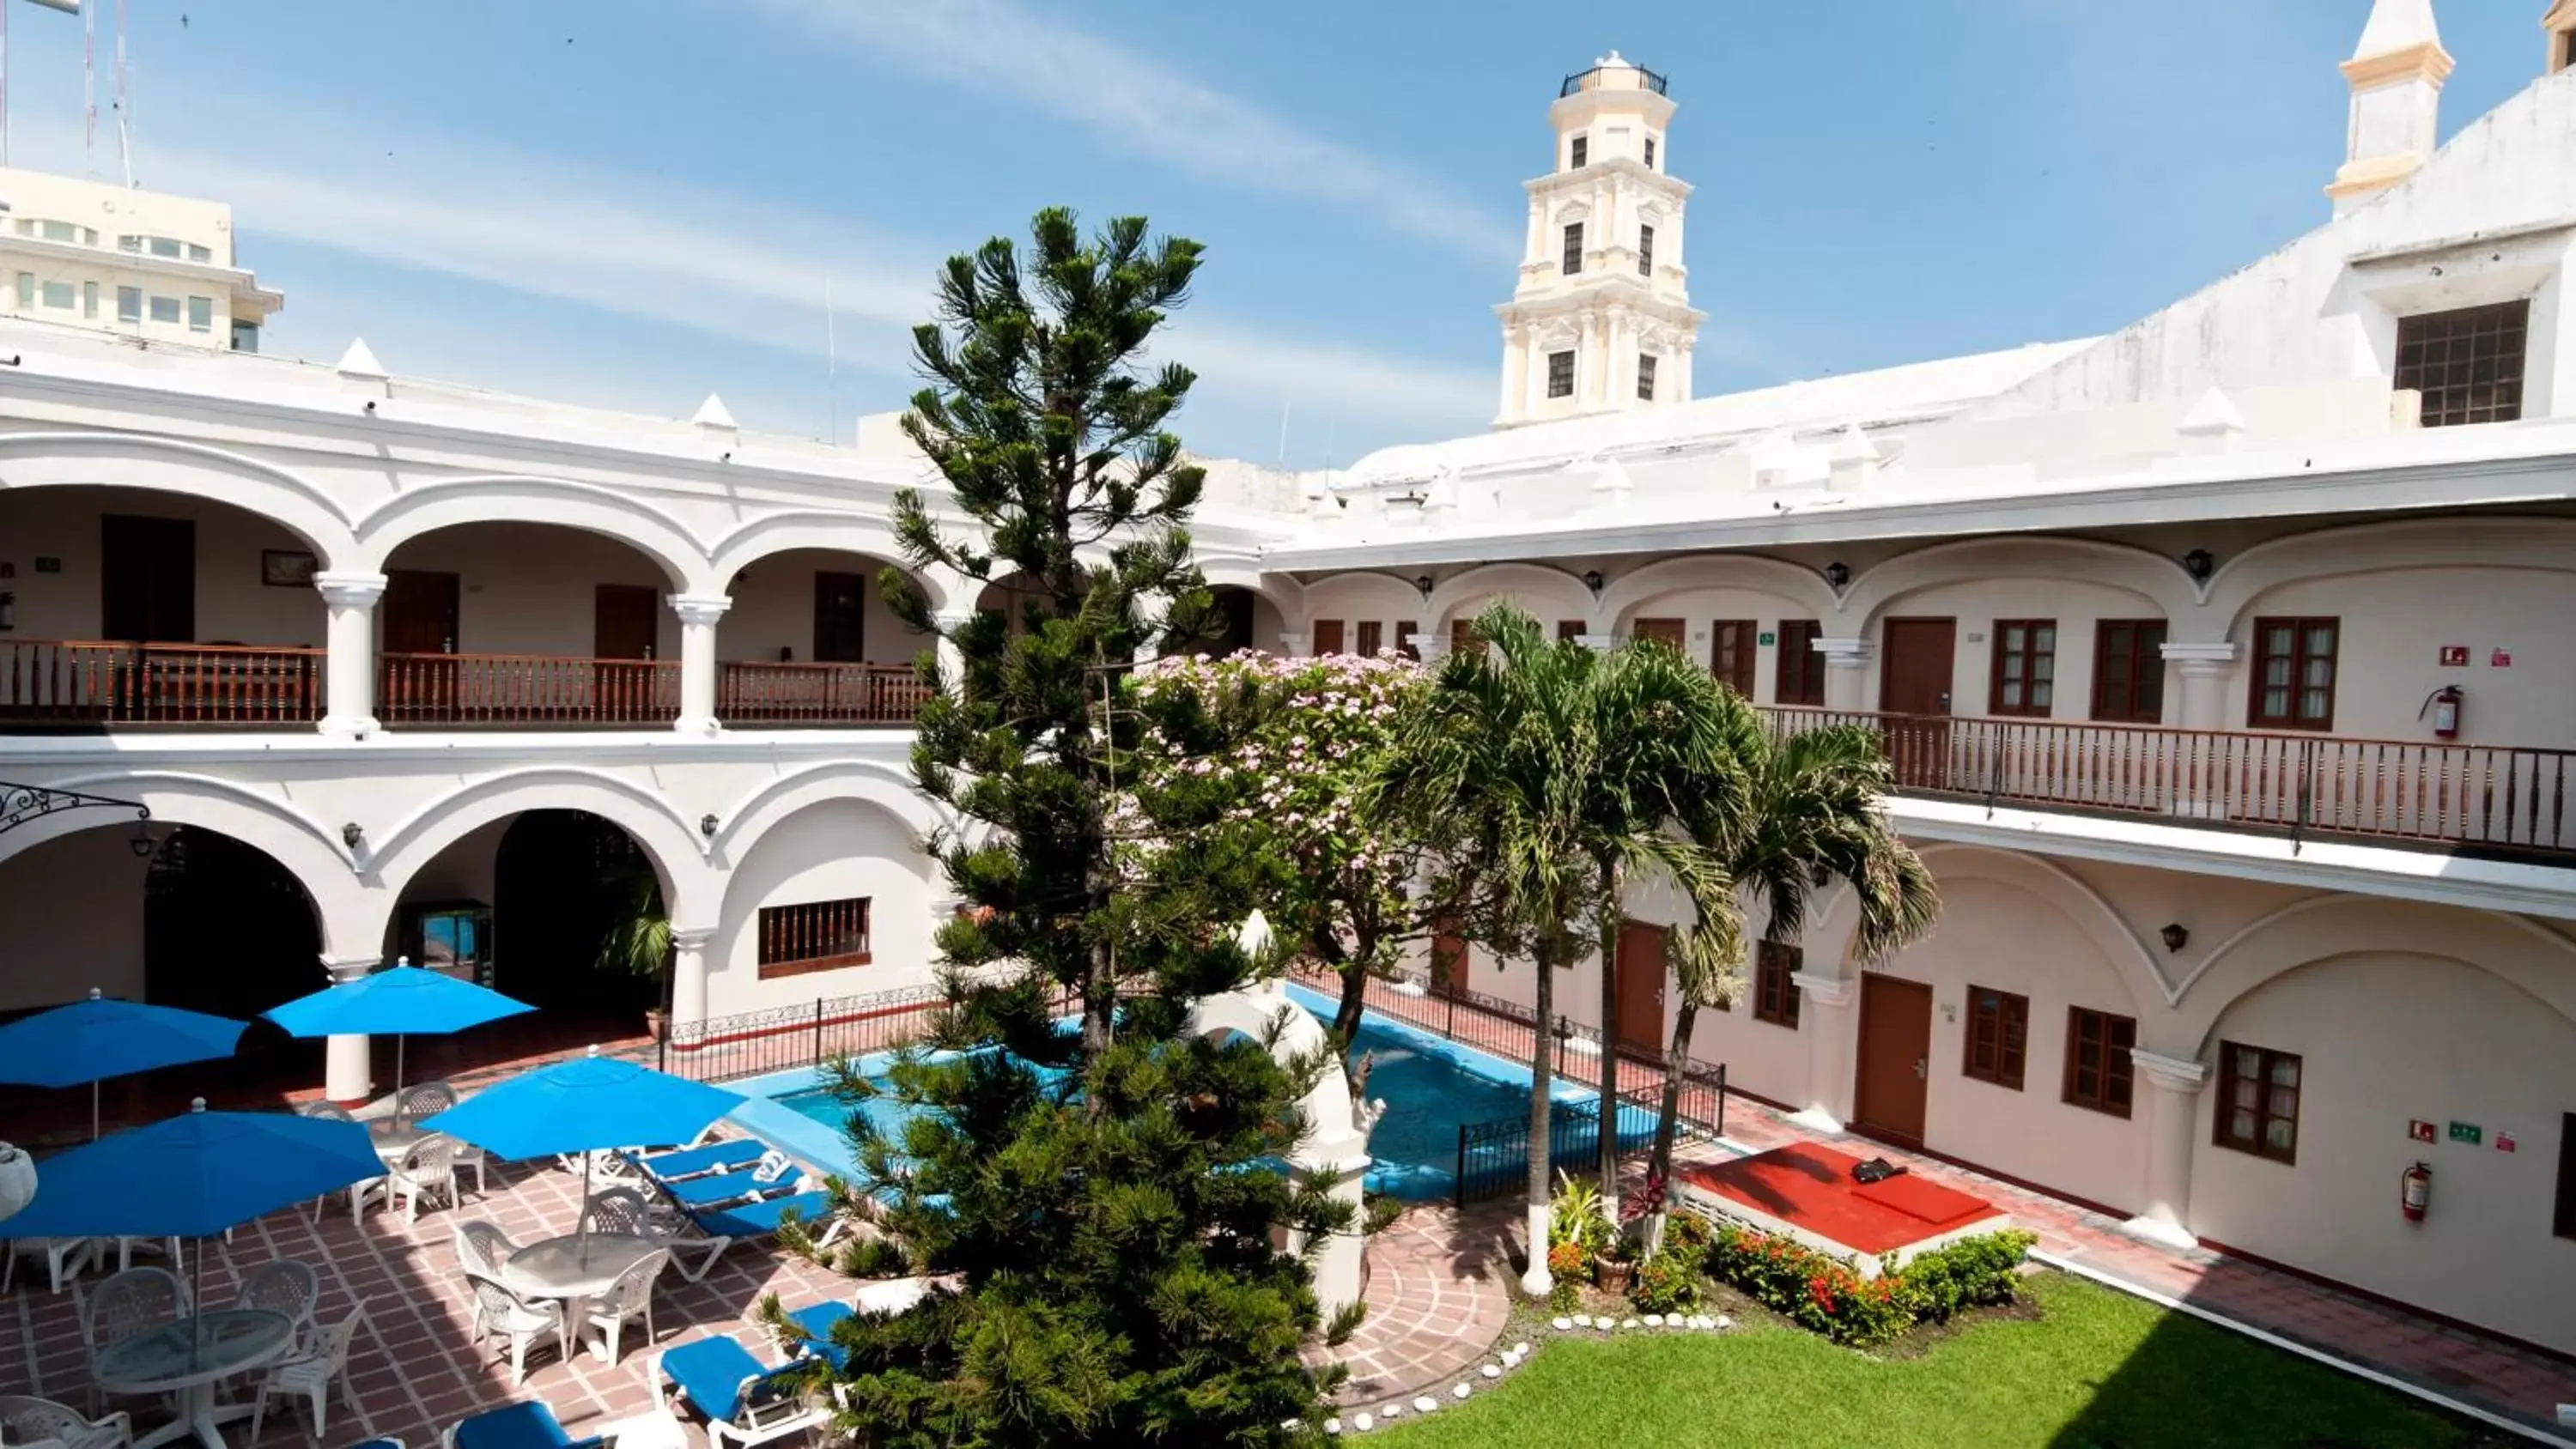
(1431, 1088)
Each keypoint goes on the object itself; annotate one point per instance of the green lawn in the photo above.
(2098, 1368)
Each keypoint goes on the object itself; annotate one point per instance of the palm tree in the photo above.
(1815, 816)
(638, 940)
(1502, 770)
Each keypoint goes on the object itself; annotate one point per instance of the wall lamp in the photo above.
(707, 826)
(351, 834)
(371, 407)
(1838, 574)
(1423, 583)
(1592, 580)
(2176, 937)
(141, 844)
(2200, 564)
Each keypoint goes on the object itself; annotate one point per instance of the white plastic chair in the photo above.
(127, 1305)
(631, 1296)
(424, 1099)
(310, 1375)
(64, 1258)
(284, 1286)
(27, 1420)
(428, 1170)
(619, 1210)
(498, 1311)
(360, 1190)
(481, 1248)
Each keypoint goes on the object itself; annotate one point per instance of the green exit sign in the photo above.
(2468, 1132)
(1769, 638)
(46, 565)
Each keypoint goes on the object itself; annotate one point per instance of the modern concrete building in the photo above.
(2222, 659)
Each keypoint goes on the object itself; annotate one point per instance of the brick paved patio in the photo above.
(1439, 1288)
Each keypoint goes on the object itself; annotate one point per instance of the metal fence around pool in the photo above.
(804, 1034)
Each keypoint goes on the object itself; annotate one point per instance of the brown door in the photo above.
(1448, 959)
(1328, 637)
(1895, 1058)
(1662, 631)
(1641, 989)
(413, 680)
(1915, 683)
(148, 579)
(624, 619)
(840, 618)
(1731, 653)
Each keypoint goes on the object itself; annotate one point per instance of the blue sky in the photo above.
(636, 203)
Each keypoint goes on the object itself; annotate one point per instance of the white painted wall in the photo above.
(531, 589)
(74, 913)
(232, 604)
(773, 606)
(826, 852)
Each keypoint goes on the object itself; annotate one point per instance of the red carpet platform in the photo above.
(1809, 1193)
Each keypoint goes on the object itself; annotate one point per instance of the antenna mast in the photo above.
(831, 359)
(89, 91)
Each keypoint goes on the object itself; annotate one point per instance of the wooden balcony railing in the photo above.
(525, 690)
(818, 694)
(2498, 797)
(76, 683)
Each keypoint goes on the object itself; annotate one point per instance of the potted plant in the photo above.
(639, 940)
(1576, 1222)
(1612, 1267)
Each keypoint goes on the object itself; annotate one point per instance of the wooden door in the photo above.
(148, 579)
(1448, 959)
(1328, 637)
(1641, 989)
(413, 680)
(1895, 1058)
(840, 618)
(1662, 631)
(624, 622)
(1731, 649)
(1915, 683)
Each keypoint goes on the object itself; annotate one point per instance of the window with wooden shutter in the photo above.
(1998, 1036)
(1569, 630)
(1775, 992)
(1667, 632)
(2294, 674)
(813, 936)
(2258, 1102)
(1405, 629)
(1802, 670)
(2025, 667)
(2129, 671)
(2098, 1069)
(1730, 653)
(1372, 636)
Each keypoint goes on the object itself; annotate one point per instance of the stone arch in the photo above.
(2038, 876)
(859, 780)
(776, 533)
(503, 498)
(2151, 576)
(1794, 583)
(1532, 586)
(689, 891)
(163, 465)
(351, 920)
(2545, 545)
(1244, 571)
(2538, 961)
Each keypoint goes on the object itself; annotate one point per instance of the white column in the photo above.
(349, 660)
(1515, 371)
(1846, 673)
(689, 972)
(1831, 1027)
(1681, 362)
(2172, 1129)
(698, 616)
(2206, 669)
(346, 1075)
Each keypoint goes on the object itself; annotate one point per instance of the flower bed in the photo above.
(1828, 1294)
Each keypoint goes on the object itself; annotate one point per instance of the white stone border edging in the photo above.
(2488, 1417)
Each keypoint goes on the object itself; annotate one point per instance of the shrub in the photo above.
(1668, 1282)
(1577, 1216)
(1829, 1295)
(1568, 1260)
(876, 1258)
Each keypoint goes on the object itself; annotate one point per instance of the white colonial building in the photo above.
(2224, 662)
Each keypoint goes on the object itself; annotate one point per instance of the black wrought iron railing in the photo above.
(801, 1034)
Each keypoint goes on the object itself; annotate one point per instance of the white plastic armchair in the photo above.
(27, 1420)
(64, 1258)
(482, 1248)
(424, 1099)
(500, 1313)
(129, 1304)
(631, 1296)
(428, 1170)
(310, 1375)
(620, 1210)
(360, 1190)
(285, 1287)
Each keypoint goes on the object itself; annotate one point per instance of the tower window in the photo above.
(1650, 153)
(2467, 364)
(1645, 377)
(1573, 261)
(1582, 145)
(1560, 374)
(1645, 251)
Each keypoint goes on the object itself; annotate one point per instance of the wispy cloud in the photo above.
(731, 267)
(1131, 99)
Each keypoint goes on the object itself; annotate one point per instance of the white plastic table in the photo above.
(568, 1269)
(187, 1358)
(393, 1137)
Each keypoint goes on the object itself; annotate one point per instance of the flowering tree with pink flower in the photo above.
(1285, 751)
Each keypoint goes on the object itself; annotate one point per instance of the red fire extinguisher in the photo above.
(2443, 705)
(2415, 1192)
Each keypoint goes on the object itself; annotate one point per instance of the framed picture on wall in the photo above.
(285, 568)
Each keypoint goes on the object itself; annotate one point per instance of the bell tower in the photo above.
(1601, 320)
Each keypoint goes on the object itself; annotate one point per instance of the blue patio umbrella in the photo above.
(583, 1104)
(90, 1041)
(194, 1175)
(401, 1002)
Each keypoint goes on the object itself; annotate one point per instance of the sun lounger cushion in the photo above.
(517, 1426)
(714, 1157)
(818, 1322)
(711, 1373)
(754, 1219)
(723, 1187)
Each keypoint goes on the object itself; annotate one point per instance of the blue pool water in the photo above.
(1430, 1086)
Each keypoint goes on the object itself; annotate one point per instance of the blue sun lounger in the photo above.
(726, 1156)
(743, 1399)
(714, 1230)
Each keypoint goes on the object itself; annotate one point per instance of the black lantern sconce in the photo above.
(142, 842)
(2176, 937)
(1838, 574)
(351, 834)
(2200, 564)
(707, 826)
(1592, 580)
(1423, 584)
